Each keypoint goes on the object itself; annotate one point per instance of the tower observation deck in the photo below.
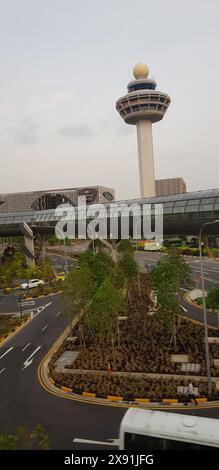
(142, 106)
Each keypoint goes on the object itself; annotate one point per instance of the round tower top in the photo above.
(140, 71)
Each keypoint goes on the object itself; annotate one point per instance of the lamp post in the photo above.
(207, 358)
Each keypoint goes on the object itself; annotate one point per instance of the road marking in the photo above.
(186, 290)
(29, 361)
(35, 311)
(44, 328)
(211, 280)
(10, 349)
(26, 346)
(110, 442)
(2, 370)
(198, 271)
(27, 302)
(185, 310)
(58, 314)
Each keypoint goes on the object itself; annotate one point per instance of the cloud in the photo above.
(83, 130)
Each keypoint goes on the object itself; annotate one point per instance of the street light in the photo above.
(207, 358)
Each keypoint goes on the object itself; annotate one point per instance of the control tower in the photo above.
(142, 106)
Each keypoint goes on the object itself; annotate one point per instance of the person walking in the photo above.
(190, 395)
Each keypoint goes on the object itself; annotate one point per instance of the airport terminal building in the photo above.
(50, 199)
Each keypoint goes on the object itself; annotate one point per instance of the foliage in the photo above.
(124, 246)
(78, 288)
(212, 299)
(107, 304)
(128, 266)
(12, 268)
(171, 273)
(23, 439)
(15, 268)
(101, 265)
(127, 386)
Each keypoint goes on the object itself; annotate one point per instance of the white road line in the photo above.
(211, 280)
(29, 360)
(208, 270)
(186, 290)
(10, 349)
(34, 312)
(198, 271)
(44, 328)
(58, 314)
(2, 370)
(28, 302)
(112, 442)
(185, 310)
(26, 346)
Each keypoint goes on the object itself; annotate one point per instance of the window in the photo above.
(142, 86)
(150, 443)
(50, 201)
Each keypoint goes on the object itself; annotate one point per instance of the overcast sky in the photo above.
(63, 65)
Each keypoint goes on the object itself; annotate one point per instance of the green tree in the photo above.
(23, 439)
(171, 273)
(107, 304)
(124, 247)
(212, 300)
(78, 288)
(101, 265)
(128, 266)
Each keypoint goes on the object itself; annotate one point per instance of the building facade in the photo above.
(50, 199)
(170, 186)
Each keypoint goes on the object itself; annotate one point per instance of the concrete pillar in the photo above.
(146, 158)
(28, 245)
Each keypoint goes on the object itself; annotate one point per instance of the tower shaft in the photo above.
(142, 106)
(146, 158)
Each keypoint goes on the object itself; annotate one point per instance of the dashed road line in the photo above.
(211, 280)
(44, 328)
(185, 310)
(10, 349)
(26, 346)
(2, 370)
(58, 314)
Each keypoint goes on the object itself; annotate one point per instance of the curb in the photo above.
(49, 384)
(42, 296)
(198, 322)
(194, 304)
(15, 331)
(115, 398)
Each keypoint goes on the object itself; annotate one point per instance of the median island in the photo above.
(131, 339)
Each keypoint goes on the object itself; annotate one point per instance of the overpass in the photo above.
(183, 214)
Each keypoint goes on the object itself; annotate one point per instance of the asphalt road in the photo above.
(24, 402)
(60, 264)
(211, 279)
